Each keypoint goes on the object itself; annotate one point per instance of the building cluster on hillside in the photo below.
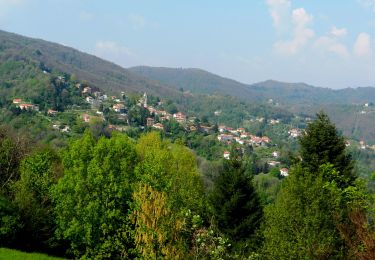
(161, 115)
(229, 135)
(295, 132)
(18, 102)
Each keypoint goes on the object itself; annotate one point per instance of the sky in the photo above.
(319, 42)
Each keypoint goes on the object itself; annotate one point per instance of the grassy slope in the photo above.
(6, 253)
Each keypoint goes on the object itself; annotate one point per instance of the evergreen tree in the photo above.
(322, 144)
(235, 203)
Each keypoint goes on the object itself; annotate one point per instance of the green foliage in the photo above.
(268, 187)
(169, 182)
(93, 197)
(302, 222)
(235, 203)
(10, 221)
(39, 172)
(206, 242)
(322, 144)
(13, 148)
(171, 168)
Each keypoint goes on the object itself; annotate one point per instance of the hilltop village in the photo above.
(127, 112)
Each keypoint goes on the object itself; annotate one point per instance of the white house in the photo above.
(284, 172)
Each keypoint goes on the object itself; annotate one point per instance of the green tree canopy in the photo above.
(301, 224)
(93, 198)
(321, 144)
(39, 172)
(235, 203)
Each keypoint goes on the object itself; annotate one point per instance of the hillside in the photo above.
(97, 72)
(197, 81)
(200, 81)
(24, 61)
(301, 93)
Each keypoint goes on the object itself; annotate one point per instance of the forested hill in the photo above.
(197, 81)
(97, 72)
(201, 81)
(301, 93)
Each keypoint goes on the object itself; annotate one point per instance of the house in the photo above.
(86, 118)
(362, 145)
(89, 100)
(294, 132)
(158, 126)
(151, 109)
(66, 129)
(284, 172)
(273, 163)
(222, 128)
(233, 131)
(179, 117)
(150, 121)
(245, 135)
(86, 90)
(52, 112)
(226, 155)
(217, 113)
(266, 139)
(274, 121)
(225, 137)
(17, 101)
(241, 130)
(160, 112)
(275, 154)
(239, 140)
(119, 108)
(28, 107)
(256, 140)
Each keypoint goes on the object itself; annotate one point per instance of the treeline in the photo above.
(115, 198)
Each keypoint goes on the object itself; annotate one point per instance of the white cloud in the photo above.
(138, 21)
(362, 46)
(301, 33)
(279, 11)
(336, 32)
(330, 44)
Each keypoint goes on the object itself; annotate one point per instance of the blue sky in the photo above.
(324, 43)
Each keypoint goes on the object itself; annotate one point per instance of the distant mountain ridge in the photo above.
(197, 81)
(168, 82)
(201, 81)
